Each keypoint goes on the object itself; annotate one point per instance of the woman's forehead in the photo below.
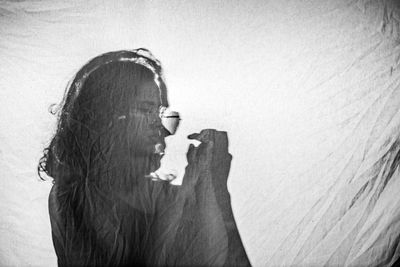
(148, 92)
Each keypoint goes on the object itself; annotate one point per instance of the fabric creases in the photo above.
(154, 224)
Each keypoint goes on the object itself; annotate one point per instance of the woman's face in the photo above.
(150, 136)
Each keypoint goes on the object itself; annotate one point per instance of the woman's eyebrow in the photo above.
(149, 102)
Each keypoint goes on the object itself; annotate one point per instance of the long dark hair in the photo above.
(90, 130)
(94, 165)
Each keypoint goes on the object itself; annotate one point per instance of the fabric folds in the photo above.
(156, 223)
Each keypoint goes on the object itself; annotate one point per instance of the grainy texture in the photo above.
(188, 225)
(308, 91)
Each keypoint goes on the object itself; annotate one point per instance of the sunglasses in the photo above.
(169, 119)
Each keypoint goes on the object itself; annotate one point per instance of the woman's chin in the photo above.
(150, 156)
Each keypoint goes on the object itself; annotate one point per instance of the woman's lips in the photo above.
(159, 148)
(158, 143)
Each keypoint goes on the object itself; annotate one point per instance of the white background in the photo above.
(304, 89)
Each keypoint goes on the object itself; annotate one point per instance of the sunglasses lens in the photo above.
(170, 124)
(170, 120)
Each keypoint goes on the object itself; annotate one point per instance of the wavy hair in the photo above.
(94, 163)
(91, 140)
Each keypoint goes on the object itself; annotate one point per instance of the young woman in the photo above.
(104, 210)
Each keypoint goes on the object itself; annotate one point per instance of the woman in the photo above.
(104, 211)
(109, 137)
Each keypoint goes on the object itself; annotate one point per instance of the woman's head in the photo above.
(109, 121)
